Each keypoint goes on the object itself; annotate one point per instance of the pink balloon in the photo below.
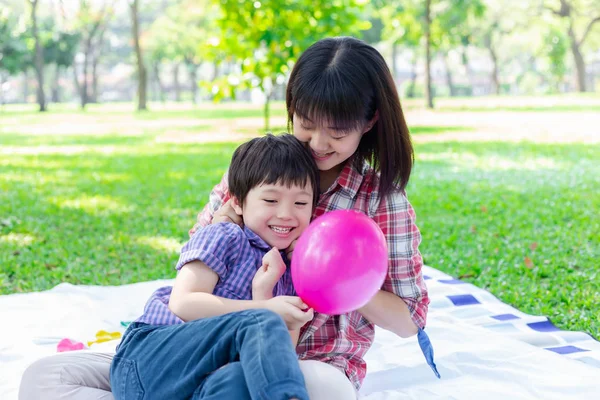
(339, 262)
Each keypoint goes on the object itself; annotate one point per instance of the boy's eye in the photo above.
(270, 201)
(301, 203)
(308, 128)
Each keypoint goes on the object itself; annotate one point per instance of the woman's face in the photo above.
(330, 146)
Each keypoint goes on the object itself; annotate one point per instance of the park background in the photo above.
(118, 117)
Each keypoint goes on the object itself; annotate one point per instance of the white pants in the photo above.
(84, 375)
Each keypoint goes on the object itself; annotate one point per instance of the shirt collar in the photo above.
(351, 177)
(259, 243)
(256, 240)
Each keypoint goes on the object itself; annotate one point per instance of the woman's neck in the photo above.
(327, 178)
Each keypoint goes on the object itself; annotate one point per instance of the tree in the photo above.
(13, 50)
(12, 46)
(427, 26)
(434, 25)
(266, 38)
(39, 57)
(453, 28)
(402, 28)
(556, 48)
(576, 12)
(141, 68)
(182, 38)
(92, 20)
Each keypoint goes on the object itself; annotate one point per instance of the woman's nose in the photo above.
(319, 141)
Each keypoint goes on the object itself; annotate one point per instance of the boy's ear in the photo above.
(237, 207)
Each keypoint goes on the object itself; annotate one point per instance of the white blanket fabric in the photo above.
(475, 362)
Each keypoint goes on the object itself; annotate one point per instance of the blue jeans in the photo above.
(182, 361)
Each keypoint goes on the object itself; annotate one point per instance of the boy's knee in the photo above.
(264, 316)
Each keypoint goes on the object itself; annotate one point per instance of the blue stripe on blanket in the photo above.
(464, 301)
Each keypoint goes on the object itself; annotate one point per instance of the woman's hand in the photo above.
(267, 276)
(227, 214)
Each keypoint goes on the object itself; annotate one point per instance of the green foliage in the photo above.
(183, 36)
(13, 49)
(450, 22)
(556, 48)
(266, 37)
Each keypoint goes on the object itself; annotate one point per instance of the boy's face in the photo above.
(276, 213)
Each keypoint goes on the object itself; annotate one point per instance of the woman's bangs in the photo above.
(329, 102)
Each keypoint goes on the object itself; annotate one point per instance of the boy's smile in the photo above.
(277, 213)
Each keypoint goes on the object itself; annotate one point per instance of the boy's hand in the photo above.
(227, 214)
(268, 275)
(292, 309)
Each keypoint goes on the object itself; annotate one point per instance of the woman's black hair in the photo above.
(346, 82)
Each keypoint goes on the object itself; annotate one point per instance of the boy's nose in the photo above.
(284, 212)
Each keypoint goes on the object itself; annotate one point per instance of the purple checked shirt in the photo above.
(234, 253)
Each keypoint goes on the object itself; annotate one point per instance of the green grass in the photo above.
(557, 108)
(518, 219)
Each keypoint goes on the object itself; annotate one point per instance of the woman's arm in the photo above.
(390, 312)
(192, 296)
(401, 306)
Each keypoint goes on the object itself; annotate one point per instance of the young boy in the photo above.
(232, 302)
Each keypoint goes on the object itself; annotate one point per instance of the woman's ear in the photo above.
(235, 204)
(371, 123)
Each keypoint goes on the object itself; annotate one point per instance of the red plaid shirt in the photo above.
(342, 341)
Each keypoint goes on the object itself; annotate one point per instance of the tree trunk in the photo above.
(410, 93)
(267, 110)
(161, 89)
(1, 91)
(26, 86)
(55, 96)
(94, 94)
(451, 87)
(466, 64)
(84, 82)
(39, 58)
(176, 85)
(193, 68)
(141, 68)
(495, 75)
(395, 61)
(428, 92)
(494, 57)
(578, 58)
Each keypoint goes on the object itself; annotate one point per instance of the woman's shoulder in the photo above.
(370, 187)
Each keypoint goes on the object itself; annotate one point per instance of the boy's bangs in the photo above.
(329, 101)
(287, 177)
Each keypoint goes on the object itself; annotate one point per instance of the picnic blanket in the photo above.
(483, 347)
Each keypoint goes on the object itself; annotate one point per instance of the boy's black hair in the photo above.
(343, 81)
(271, 159)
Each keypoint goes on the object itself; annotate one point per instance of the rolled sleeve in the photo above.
(217, 246)
(396, 218)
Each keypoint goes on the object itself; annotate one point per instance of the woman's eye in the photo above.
(270, 201)
(300, 203)
(307, 128)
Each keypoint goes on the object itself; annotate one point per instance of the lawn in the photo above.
(111, 201)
